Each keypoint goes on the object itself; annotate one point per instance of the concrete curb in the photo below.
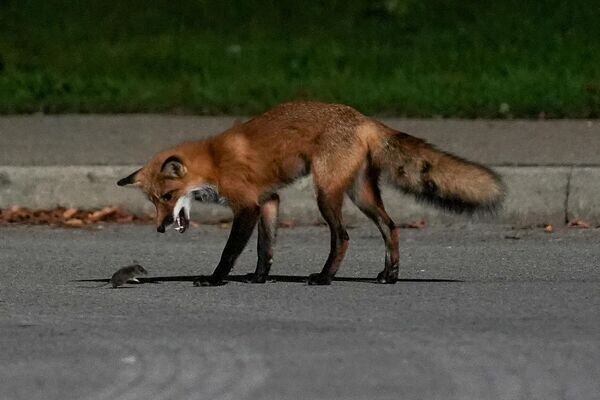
(61, 140)
(535, 195)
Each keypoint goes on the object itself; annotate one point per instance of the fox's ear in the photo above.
(173, 168)
(130, 180)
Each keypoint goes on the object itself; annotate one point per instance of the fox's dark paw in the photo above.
(391, 277)
(319, 279)
(209, 280)
(255, 278)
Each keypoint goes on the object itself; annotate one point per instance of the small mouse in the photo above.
(126, 274)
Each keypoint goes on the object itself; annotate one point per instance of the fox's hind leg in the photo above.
(366, 195)
(333, 171)
(267, 233)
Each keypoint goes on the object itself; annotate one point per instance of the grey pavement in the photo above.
(552, 167)
(517, 318)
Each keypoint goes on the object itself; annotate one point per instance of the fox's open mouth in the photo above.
(181, 222)
(181, 212)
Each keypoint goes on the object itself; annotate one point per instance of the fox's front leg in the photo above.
(267, 233)
(244, 221)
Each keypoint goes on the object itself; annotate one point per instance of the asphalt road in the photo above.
(519, 321)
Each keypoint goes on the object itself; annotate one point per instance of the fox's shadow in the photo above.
(271, 278)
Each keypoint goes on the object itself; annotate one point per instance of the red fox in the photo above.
(345, 151)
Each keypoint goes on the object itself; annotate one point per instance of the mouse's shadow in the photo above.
(271, 278)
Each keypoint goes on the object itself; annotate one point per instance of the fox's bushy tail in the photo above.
(439, 178)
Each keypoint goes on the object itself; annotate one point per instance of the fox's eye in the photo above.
(167, 196)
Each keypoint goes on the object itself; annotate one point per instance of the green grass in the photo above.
(400, 57)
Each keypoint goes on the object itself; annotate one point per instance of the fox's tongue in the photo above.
(182, 222)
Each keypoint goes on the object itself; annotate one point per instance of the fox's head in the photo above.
(167, 182)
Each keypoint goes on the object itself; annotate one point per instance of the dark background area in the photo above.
(397, 57)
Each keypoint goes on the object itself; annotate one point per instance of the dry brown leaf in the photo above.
(414, 225)
(102, 214)
(73, 222)
(70, 213)
(286, 223)
(548, 228)
(578, 223)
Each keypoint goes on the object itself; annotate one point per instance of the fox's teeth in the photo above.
(178, 222)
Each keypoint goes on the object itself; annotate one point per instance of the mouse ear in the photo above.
(173, 168)
(132, 179)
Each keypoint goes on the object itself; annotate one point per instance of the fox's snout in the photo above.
(168, 220)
